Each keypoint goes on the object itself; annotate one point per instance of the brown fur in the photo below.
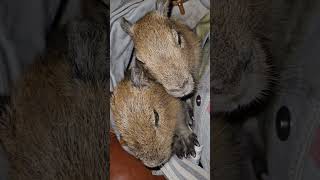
(156, 42)
(57, 123)
(135, 110)
(56, 128)
(241, 72)
(227, 151)
(164, 68)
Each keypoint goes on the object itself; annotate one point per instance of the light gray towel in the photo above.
(183, 169)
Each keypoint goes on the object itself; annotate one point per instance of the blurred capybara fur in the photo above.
(57, 122)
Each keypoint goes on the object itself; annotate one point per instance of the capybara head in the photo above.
(169, 50)
(146, 118)
(240, 73)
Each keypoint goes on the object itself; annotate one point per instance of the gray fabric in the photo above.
(23, 29)
(23, 26)
(300, 92)
(206, 3)
(202, 112)
(194, 12)
(177, 169)
(121, 45)
(290, 159)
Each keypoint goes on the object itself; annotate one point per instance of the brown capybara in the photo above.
(152, 123)
(168, 49)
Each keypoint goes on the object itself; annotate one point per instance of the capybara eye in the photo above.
(140, 62)
(178, 38)
(156, 117)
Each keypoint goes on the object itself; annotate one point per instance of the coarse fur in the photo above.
(241, 72)
(228, 159)
(151, 122)
(245, 39)
(56, 125)
(169, 50)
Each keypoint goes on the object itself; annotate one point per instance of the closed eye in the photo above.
(139, 61)
(156, 117)
(179, 39)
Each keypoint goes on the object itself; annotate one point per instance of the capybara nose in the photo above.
(183, 89)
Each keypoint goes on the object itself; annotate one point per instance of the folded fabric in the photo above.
(175, 168)
(183, 169)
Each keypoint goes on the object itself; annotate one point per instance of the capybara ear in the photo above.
(139, 75)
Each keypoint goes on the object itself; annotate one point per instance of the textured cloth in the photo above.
(297, 158)
(202, 110)
(23, 31)
(177, 169)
